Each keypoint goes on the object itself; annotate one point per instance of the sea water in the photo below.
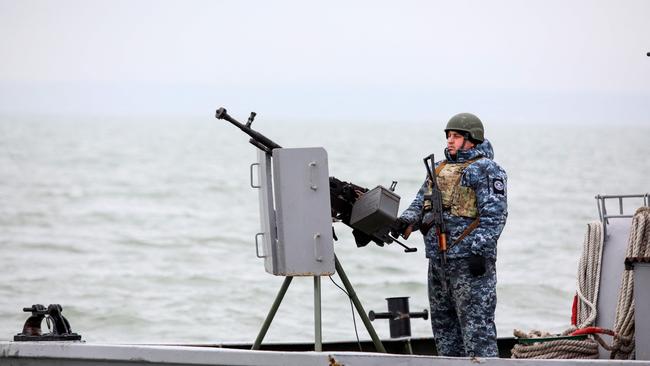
(143, 228)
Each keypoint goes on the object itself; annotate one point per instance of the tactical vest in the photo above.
(461, 201)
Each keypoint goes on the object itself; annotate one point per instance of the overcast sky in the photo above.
(515, 61)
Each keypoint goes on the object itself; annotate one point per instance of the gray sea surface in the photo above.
(143, 229)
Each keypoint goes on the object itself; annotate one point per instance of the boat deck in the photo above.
(79, 353)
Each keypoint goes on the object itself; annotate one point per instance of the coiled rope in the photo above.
(588, 282)
(638, 245)
(560, 348)
(587, 293)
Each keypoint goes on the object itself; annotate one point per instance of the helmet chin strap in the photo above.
(464, 145)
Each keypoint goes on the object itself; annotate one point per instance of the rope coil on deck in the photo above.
(557, 349)
(588, 283)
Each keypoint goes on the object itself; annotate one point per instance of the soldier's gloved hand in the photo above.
(476, 265)
(398, 228)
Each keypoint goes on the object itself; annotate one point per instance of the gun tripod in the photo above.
(318, 339)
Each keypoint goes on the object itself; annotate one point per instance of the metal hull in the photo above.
(79, 353)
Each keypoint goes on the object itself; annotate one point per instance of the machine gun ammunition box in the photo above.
(375, 210)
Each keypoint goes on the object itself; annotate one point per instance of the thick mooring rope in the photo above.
(561, 348)
(638, 245)
(588, 284)
(588, 280)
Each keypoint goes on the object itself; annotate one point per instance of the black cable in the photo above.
(354, 320)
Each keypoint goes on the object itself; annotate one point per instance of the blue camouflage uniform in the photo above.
(462, 308)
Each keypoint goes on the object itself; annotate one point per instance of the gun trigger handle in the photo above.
(407, 232)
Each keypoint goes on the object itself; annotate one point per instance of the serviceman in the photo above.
(462, 286)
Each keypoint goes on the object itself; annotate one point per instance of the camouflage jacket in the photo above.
(489, 181)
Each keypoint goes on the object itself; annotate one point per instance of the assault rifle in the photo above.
(432, 206)
(343, 195)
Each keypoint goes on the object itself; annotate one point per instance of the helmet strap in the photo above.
(465, 139)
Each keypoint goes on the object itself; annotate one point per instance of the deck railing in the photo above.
(602, 207)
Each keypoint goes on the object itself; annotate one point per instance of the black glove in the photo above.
(398, 227)
(476, 265)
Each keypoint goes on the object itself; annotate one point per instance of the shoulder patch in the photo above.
(498, 187)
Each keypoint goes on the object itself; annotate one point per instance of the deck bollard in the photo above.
(399, 316)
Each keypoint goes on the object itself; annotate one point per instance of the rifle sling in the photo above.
(440, 166)
(473, 225)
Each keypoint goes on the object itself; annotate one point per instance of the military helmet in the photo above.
(468, 123)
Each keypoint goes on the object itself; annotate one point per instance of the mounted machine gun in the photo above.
(370, 213)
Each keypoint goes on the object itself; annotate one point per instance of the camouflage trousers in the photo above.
(462, 312)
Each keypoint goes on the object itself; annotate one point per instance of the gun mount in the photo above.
(370, 213)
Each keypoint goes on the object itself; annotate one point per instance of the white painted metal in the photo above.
(303, 212)
(613, 266)
(642, 310)
(267, 212)
(77, 353)
(295, 212)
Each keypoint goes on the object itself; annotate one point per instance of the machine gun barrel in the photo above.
(257, 139)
